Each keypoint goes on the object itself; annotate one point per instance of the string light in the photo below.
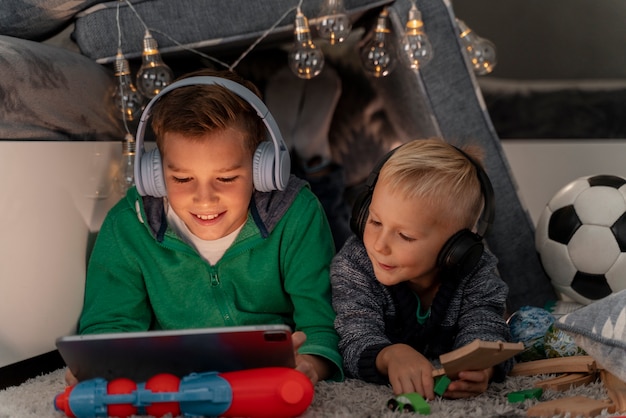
(378, 55)
(130, 103)
(127, 99)
(481, 51)
(334, 24)
(415, 43)
(305, 59)
(126, 169)
(153, 75)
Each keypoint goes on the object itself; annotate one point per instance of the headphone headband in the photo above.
(280, 164)
(488, 214)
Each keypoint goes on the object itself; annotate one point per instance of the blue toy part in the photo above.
(199, 388)
(88, 398)
(199, 394)
(529, 325)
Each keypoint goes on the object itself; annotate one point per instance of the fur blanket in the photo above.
(352, 398)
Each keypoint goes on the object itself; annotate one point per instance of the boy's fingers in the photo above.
(70, 380)
(298, 338)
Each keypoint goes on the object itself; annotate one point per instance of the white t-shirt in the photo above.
(210, 250)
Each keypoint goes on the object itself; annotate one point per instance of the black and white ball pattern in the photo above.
(581, 238)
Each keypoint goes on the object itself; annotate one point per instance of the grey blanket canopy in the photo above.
(458, 113)
(441, 99)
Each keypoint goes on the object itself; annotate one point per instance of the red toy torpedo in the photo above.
(266, 392)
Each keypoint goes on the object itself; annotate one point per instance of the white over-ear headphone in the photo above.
(271, 165)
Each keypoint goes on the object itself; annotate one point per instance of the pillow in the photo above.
(600, 329)
(50, 93)
(199, 24)
(38, 19)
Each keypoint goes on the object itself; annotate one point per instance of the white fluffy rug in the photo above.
(34, 399)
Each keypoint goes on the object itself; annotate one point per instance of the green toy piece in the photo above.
(520, 396)
(409, 402)
(441, 384)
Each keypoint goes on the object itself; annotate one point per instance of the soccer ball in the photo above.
(581, 238)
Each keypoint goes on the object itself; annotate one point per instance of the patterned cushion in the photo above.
(38, 19)
(600, 329)
(50, 93)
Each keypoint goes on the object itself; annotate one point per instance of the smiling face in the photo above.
(403, 237)
(208, 180)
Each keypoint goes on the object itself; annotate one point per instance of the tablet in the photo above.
(141, 355)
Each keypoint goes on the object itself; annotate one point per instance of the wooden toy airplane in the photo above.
(477, 355)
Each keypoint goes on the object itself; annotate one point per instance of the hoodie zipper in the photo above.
(219, 297)
(215, 279)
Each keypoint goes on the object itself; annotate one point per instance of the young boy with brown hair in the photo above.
(416, 282)
(197, 244)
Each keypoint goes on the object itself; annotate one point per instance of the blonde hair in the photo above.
(437, 171)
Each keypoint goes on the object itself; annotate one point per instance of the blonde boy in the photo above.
(400, 304)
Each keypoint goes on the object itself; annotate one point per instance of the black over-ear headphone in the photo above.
(271, 163)
(463, 250)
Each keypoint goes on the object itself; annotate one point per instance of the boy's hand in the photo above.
(314, 367)
(407, 369)
(470, 383)
(70, 380)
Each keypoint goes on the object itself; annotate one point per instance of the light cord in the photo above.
(264, 35)
(119, 27)
(203, 55)
(119, 50)
(130, 5)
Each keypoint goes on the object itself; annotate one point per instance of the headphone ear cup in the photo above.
(360, 212)
(284, 169)
(263, 167)
(152, 174)
(461, 253)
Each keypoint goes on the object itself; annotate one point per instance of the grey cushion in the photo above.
(38, 19)
(600, 329)
(49, 93)
(200, 24)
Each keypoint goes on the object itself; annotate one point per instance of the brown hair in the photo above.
(199, 109)
(437, 171)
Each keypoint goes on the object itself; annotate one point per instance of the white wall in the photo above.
(54, 198)
(543, 167)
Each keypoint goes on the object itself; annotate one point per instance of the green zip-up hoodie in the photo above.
(142, 276)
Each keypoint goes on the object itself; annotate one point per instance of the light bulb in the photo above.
(378, 55)
(305, 59)
(334, 24)
(126, 169)
(481, 51)
(415, 43)
(154, 74)
(127, 99)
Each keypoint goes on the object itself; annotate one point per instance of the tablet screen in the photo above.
(141, 355)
